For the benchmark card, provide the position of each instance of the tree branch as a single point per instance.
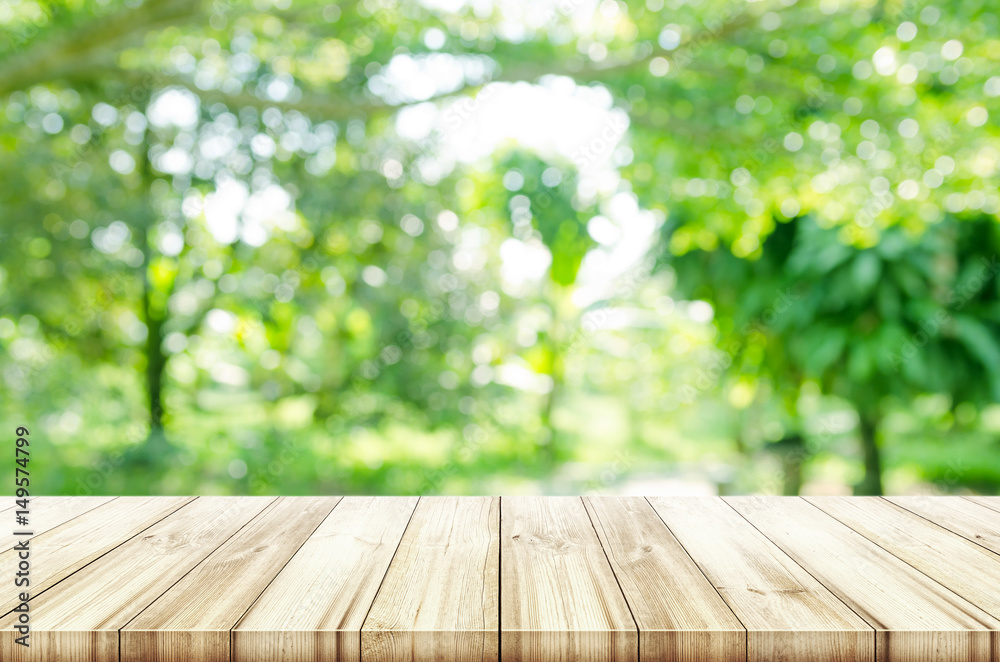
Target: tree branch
(86, 48)
(599, 70)
(320, 107)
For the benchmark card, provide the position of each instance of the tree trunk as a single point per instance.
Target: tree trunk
(156, 361)
(871, 484)
(791, 464)
(156, 449)
(791, 450)
(551, 448)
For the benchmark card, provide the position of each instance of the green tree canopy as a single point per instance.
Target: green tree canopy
(272, 213)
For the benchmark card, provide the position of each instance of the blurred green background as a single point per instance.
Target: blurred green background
(487, 246)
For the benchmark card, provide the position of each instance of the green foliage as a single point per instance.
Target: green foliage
(916, 314)
(237, 257)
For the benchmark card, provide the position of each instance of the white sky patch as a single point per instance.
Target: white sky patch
(266, 210)
(418, 121)
(222, 210)
(175, 161)
(408, 78)
(607, 270)
(216, 147)
(556, 119)
(603, 230)
(174, 107)
(522, 378)
(232, 213)
(562, 122)
(700, 311)
(229, 374)
(221, 321)
(570, 125)
(523, 263)
(170, 241)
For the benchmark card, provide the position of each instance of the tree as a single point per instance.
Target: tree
(136, 125)
(913, 315)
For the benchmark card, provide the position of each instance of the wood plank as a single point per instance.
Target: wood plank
(915, 617)
(993, 503)
(679, 613)
(439, 599)
(46, 514)
(788, 615)
(315, 607)
(969, 570)
(192, 620)
(378, 579)
(560, 601)
(59, 553)
(78, 619)
(966, 518)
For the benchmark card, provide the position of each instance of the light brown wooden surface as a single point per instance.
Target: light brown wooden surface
(915, 617)
(993, 503)
(478, 579)
(439, 599)
(78, 619)
(964, 567)
(192, 620)
(315, 607)
(58, 553)
(680, 615)
(967, 518)
(787, 613)
(559, 597)
(46, 513)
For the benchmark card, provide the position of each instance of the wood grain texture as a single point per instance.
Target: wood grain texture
(439, 599)
(46, 514)
(58, 553)
(314, 609)
(680, 615)
(192, 620)
(993, 503)
(539, 579)
(915, 617)
(962, 516)
(560, 601)
(788, 615)
(964, 567)
(78, 619)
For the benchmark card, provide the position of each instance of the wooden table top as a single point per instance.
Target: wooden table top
(541, 579)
